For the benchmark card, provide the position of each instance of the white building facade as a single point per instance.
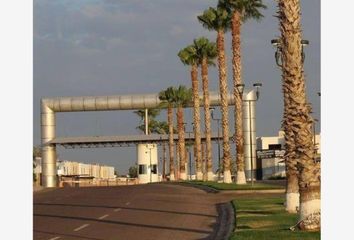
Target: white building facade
(274, 166)
(71, 168)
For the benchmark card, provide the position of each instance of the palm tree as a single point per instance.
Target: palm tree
(188, 56)
(298, 111)
(206, 52)
(167, 97)
(183, 97)
(240, 10)
(219, 20)
(152, 113)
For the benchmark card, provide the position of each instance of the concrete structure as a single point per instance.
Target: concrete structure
(84, 169)
(275, 166)
(147, 163)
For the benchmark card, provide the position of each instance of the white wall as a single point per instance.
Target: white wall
(144, 158)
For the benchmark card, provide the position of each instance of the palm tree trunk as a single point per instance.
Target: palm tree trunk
(299, 112)
(181, 144)
(164, 161)
(236, 68)
(224, 105)
(205, 80)
(205, 178)
(171, 143)
(178, 160)
(292, 186)
(196, 120)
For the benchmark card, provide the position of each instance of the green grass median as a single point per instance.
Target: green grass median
(260, 218)
(233, 186)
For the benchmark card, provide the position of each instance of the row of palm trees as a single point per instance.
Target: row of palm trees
(229, 14)
(303, 173)
(176, 98)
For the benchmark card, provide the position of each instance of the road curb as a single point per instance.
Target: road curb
(225, 222)
(213, 190)
(253, 191)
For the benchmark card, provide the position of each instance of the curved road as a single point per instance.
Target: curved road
(141, 212)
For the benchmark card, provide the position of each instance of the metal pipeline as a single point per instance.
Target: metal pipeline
(110, 103)
(49, 106)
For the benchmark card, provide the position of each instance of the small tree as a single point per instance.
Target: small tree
(133, 172)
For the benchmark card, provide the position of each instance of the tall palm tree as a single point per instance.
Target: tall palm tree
(299, 114)
(188, 56)
(219, 20)
(206, 52)
(167, 98)
(240, 10)
(183, 97)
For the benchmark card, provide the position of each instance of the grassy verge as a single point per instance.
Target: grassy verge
(233, 186)
(265, 218)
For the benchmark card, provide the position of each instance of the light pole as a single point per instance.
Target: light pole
(240, 89)
(218, 123)
(189, 149)
(150, 147)
(278, 44)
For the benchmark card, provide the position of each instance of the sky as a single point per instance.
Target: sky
(112, 47)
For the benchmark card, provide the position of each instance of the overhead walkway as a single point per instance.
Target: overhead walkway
(120, 141)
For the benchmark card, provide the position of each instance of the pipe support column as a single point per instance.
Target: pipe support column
(49, 169)
(249, 132)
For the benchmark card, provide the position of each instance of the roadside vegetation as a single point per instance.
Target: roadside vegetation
(265, 218)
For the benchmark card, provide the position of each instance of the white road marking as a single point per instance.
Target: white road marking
(127, 203)
(81, 227)
(117, 209)
(54, 238)
(104, 216)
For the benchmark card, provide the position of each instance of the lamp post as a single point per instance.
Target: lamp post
(278, 44)
(150, 147)
(240, 89)
(189, 149)
(218, 124)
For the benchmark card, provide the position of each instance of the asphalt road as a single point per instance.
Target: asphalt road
(153, 211)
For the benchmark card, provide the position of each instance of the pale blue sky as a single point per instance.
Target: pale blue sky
(109, 47)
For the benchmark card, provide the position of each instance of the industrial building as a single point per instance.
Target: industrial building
(71, 168)
(270, 155)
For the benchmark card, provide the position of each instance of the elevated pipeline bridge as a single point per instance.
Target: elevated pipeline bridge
(51, 106)
(122, 141)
